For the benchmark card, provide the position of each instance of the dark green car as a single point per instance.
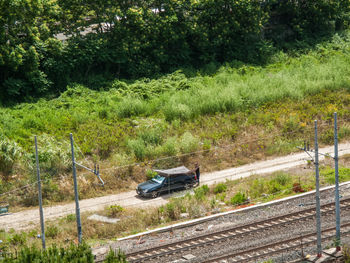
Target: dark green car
(167, 181)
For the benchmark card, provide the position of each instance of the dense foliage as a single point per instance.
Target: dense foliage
(171, 116)
(72, 254)
(130, 39)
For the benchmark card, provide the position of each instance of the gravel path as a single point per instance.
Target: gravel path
(236, 219)
(26, 219)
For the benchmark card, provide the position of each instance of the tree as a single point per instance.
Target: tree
(25, 36)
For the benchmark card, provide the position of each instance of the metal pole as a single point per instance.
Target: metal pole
(337, 205)
(40, 195)
(318, 210)
(77, 209)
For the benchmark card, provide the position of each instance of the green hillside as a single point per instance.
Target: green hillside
(233, 116)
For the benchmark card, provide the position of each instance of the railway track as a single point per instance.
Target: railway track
(274, 249)
(222, 235)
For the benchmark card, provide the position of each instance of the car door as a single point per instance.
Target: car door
(178, 182)
(166, 187)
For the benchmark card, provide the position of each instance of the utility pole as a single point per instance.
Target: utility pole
(40, 195)
(337, 205)
(318, 209)
(77, 209)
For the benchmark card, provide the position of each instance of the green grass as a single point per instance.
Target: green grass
(329, 175)
(177, 97)
(205, 200)
(176, 114)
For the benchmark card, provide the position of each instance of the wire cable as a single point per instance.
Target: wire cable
(322, 124)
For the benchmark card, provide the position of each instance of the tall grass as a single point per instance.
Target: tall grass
(178, 97)
(148, 119)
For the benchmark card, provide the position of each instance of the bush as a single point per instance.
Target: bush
(9, 154)
(221, 197)
(114, 210)
(112, 257)
(18, 239)
(297, 188)
(278, 183)
(70, 218)
(329, 175)
(138, 147)
(169, 147)
(219, 188)
(238, 198)
(153, 136)
(51, 231)
(131, 107)
(346, 253)
(72, 254)
(177, 111)
(150, 174)
(188, 143)
(257, 187)
(201, 192)
(274, 187)
(283, 178)
(54, 155)
(171, 211)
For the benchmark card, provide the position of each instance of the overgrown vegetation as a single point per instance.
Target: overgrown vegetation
(253, 111)
(71, 254)
(346, 253)
(249, 133)
(146, 38)
(204, 201)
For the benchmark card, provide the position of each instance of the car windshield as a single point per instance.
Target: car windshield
(158, 179)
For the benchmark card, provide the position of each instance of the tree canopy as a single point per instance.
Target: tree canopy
(108, 39)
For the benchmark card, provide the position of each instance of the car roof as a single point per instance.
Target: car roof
(173, 171)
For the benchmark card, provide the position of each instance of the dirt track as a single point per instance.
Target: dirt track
(26, 219)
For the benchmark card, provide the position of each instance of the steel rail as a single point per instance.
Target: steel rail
(222, 235)
(278, 247)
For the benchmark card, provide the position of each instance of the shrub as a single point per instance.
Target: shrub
(238, 198)
(346, 253)
(257, 187)
(54, 155)
(114, 210)
(74, 254)
(171, 211)
(213, 203)
(188, 143)
(219, 188)
(344, 132)
(201, 192)
(70, 218)
(283, 178)
(169, 147)
(329, 175)
(51, 231)
(177, 110)
(9, 154)
(112, 257)
(18, 239)
(274, 187)
(150, 174)
(297, 188)
(221, 197)
(153, 136)
(138, 147)
(130, 107)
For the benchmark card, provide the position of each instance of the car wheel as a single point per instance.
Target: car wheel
(154, 194)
